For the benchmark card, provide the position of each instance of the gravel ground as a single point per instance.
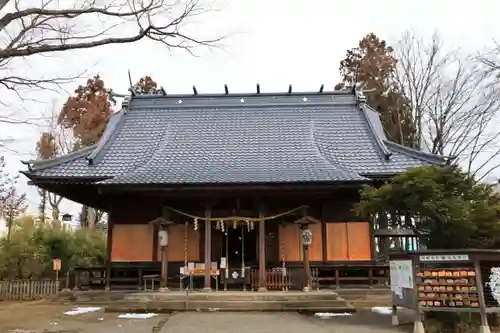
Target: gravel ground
(47, 318)
(40, 317)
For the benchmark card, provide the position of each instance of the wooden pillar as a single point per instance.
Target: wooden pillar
(262, 252)
(164, 264)
(109, 245)
(208, 251)
(324, 242)
(305, 256)
(373, 241)
(484, 326)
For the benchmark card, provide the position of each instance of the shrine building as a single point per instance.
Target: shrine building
(232, 179)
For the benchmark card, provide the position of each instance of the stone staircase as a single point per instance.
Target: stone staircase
(342, 300)
(231, 301)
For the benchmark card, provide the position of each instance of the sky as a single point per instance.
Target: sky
(271, 42)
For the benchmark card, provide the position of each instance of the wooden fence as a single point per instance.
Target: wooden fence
(27, 289)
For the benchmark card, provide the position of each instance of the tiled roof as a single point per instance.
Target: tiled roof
(223, 139)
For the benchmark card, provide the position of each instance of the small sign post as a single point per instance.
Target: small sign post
(56, 267)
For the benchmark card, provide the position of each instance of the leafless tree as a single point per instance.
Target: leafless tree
(490, 58)
(30, 28)
(454, 106)
(14, 205)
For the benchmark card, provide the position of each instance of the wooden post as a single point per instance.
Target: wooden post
(109, 245)
(307, 267)
(418, 325)
(208, 251)
(164, 264)
(262, 253)
(484, 326)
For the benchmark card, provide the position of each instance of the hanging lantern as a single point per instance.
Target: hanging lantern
(235, 224)
(248, 225)
(195, 224)
(251, 225)
(217, 225)
(222, 226)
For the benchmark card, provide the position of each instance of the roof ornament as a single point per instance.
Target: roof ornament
(130, 85)
(290, 89)
(321, 88)
(125, 102)
(360, 96)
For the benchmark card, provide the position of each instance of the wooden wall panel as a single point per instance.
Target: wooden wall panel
(336, 240)
(132, 242)
(289, 237)
(316, 248)
(193, 244)
(176, 243)
(358, 238)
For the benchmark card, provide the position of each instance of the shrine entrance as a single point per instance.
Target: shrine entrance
(239, 246)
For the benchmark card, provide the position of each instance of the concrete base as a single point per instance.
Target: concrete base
(232, 301)
(262, 289)
(395, 320)
(306, 289)
(207, 289)
(484, 329)
(164, 290)
(418, 327)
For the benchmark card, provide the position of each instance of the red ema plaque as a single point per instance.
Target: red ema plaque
(56, 264)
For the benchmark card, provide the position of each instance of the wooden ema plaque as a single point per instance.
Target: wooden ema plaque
(447, 287)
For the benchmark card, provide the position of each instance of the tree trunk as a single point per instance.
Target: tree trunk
(43, 205)
(91, 216)
(84, 217)
(56, 224)
(10, 222)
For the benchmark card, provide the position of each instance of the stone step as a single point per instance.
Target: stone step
(225, 297)
(169, 306)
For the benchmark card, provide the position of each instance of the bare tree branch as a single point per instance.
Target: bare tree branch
(30, 28)
(51, 29)
(454, 105)
(3, 3)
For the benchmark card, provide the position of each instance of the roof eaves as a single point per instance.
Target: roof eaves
(38, 179)
(378, 140)
(114, 124)
(117, 182)
(38, 165)
(420, 155)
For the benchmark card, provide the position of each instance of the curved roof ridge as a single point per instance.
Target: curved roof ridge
(44, 164)
(418, 154)
(379, 140)
(159, 149)
(114, 124)
(317, 147)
